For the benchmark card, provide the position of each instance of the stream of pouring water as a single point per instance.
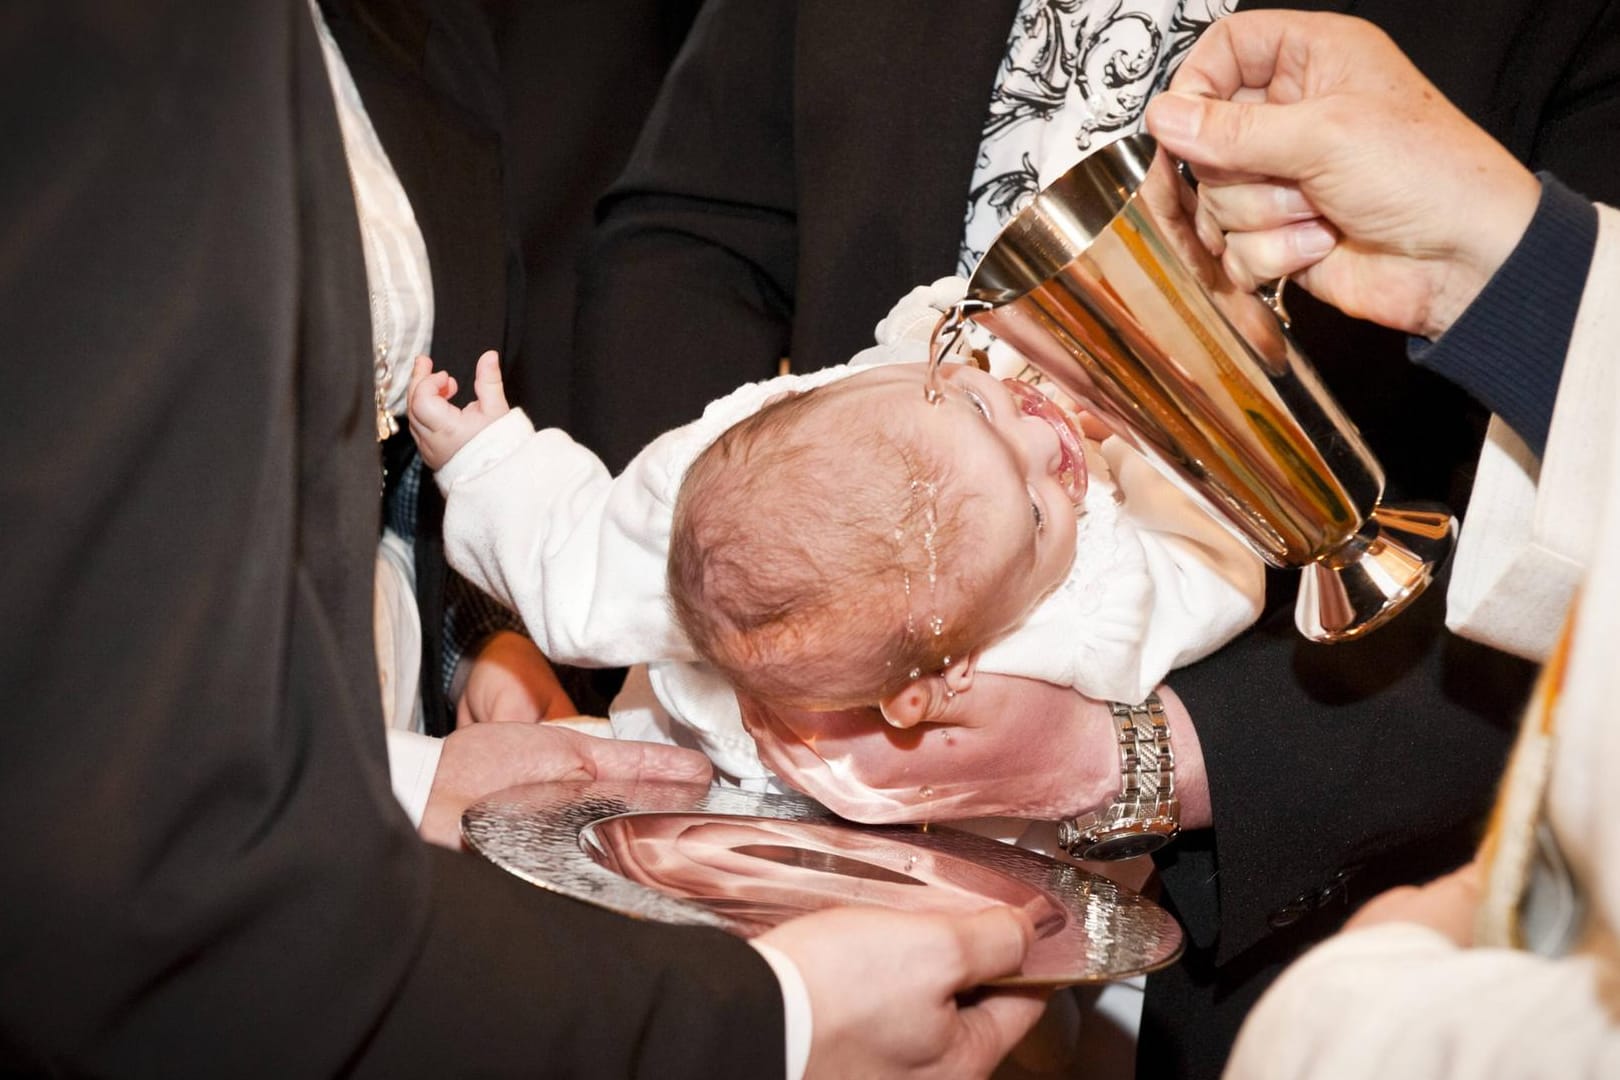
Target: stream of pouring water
(947, 336)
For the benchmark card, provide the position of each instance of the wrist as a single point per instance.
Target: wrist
(1144, 810)
(1192, 782)
(1145, 813)
(1095, 780)
(1510, 205)
(1090, 779)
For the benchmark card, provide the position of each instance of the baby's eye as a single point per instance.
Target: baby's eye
(1040, 514)
(977, 402)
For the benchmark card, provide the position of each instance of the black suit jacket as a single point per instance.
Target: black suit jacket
(206, 872)
(577, 78)
(809, 163)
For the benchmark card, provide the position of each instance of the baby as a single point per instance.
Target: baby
(835, 539)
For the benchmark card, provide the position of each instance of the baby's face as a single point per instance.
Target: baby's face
(1023, 473)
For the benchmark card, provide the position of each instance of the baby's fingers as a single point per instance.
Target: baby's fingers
(421, 368)
(430, 394)
(439, 383)
(488, 387)
(1092, 426)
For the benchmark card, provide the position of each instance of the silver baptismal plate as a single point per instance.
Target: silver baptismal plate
(744, 862)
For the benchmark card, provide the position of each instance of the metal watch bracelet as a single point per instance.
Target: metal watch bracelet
(1146, 814)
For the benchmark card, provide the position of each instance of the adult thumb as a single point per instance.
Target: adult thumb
(993, 944)
(1256, 138)
(627, 759)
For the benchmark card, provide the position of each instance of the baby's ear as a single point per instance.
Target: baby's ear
(912, 703)
(928, 697)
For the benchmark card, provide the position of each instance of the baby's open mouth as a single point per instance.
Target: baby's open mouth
(1071, 472)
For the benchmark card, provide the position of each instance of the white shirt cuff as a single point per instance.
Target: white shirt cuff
(413, 760)
(796, 1016)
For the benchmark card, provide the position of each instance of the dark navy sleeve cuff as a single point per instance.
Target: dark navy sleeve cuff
(1507, 348)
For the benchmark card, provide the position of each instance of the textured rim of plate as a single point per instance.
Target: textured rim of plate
(534, 833)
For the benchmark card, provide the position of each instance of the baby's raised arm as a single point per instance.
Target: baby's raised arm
(441, 428)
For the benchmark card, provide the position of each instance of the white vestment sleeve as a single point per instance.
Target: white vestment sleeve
(1531, 531)
(1401, 1000)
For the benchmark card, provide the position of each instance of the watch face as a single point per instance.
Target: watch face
(1128, 846)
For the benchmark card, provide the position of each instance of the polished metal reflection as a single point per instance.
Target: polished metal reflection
(1103, 286)
(742, 862)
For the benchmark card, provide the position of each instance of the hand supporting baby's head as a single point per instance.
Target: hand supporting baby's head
(823, 556)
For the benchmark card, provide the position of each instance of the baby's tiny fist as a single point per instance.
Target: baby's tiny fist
(433, 420)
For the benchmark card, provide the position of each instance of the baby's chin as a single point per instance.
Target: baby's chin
(1045, 593)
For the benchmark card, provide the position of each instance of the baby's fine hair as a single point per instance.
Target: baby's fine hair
(812, 551)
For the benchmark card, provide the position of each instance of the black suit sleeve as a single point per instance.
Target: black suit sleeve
(206, 873)
(690, 275)
(510, 982)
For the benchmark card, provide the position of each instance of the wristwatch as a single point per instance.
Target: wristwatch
(1146, 815)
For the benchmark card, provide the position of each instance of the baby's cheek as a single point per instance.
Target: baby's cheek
(1070, 546)
(1065, 548)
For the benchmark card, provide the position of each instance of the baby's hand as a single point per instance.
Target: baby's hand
(440, 428)
(914, 316)
(1091, 425)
